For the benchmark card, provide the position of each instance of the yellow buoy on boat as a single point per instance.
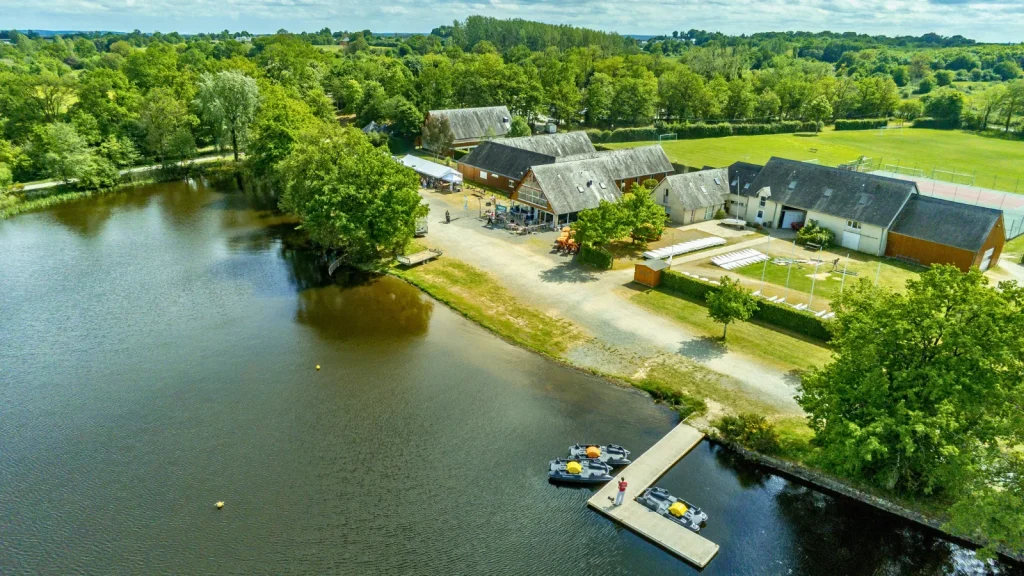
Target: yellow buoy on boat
(220, 505)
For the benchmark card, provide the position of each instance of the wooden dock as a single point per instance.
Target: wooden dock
(641, 474)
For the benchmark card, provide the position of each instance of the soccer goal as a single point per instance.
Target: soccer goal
(897, 169)
(953, 177)
(663, 137)
(898, 130)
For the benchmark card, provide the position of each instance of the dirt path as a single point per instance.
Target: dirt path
(596, 301)
(136, 169)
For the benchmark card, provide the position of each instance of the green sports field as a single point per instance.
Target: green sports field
(996, 163)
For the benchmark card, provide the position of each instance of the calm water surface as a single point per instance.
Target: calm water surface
(157, 354)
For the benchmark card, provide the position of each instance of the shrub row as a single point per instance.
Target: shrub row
(936, 123)
(861, 124)
(596, 256)
(688, 131)
(772, 313)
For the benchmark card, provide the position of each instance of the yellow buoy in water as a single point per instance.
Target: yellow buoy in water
(317, 366)
(220, 505)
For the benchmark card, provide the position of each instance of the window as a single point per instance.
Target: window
(665, 200)
(511, 183)
(853, 224)
(709, 212)
(764, 201)
(483, 175)
(760, 214)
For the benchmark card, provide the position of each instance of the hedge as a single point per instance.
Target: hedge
(596, 256)
(688, 131)
(861, 124)
(780, 315)
(936, 123)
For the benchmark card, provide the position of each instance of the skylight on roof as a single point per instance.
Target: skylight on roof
(718, 182)
(792, 185)
(747, 185)
(828, 192)
(603, 186)
(580, 188)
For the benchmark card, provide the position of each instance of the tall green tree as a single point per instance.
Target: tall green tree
(924, 385)
(227, 101)
(644, 218)
(729, 303)
(599, 226)
(63, 153)
(349, 194)
(164, 118)
(437, 135)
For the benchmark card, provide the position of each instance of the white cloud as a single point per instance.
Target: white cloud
(987, 20)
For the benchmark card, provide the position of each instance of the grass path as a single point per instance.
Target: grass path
(774, 347)
(993, 159)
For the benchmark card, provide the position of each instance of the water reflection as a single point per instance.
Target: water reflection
(854, 539)
(383, 307)
(89, 218)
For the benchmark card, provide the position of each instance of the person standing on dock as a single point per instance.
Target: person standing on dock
(622, 492)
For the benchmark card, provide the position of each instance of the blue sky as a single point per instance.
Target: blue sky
(985, 20)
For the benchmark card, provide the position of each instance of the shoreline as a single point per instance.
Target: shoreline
(790, 470)
(42, 198)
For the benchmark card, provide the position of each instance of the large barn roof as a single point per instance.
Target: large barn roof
(866, 198)
(476, 123)
(581, 182)
(513, 157)
(696, 190)
(946, 222)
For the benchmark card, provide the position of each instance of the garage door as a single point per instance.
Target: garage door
(851, 240)
(986, 259)
(790, 217)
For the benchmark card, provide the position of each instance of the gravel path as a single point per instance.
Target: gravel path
(596, 301)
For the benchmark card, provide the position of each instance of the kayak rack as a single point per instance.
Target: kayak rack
(641, 474)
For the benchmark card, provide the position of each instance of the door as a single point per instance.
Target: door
(851, 240)
(789, 217)
(986, 259)
(760, 217)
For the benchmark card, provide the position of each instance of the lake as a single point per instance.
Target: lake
(158, 353)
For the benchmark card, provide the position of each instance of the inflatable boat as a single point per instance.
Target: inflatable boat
(611, 454)
(579, 471)
(675, 509)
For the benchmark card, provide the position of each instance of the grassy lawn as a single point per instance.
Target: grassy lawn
(479, 297)
(780, 349)
(893, 274)
(1014, 249)
(912, 147)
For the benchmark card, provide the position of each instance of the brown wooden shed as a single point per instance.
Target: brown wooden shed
(648, 272)
(935, 231)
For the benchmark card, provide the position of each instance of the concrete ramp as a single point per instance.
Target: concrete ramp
(641, 474)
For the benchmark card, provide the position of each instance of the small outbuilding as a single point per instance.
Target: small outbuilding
(693, 196)
(935, 231)
(648, 272)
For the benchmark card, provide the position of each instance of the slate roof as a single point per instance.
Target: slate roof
(866, 198)
(741, 175)
(472, 123)
(581, 182)
(696, 190)
(513, 157)
(946, 222)
(560, 144)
